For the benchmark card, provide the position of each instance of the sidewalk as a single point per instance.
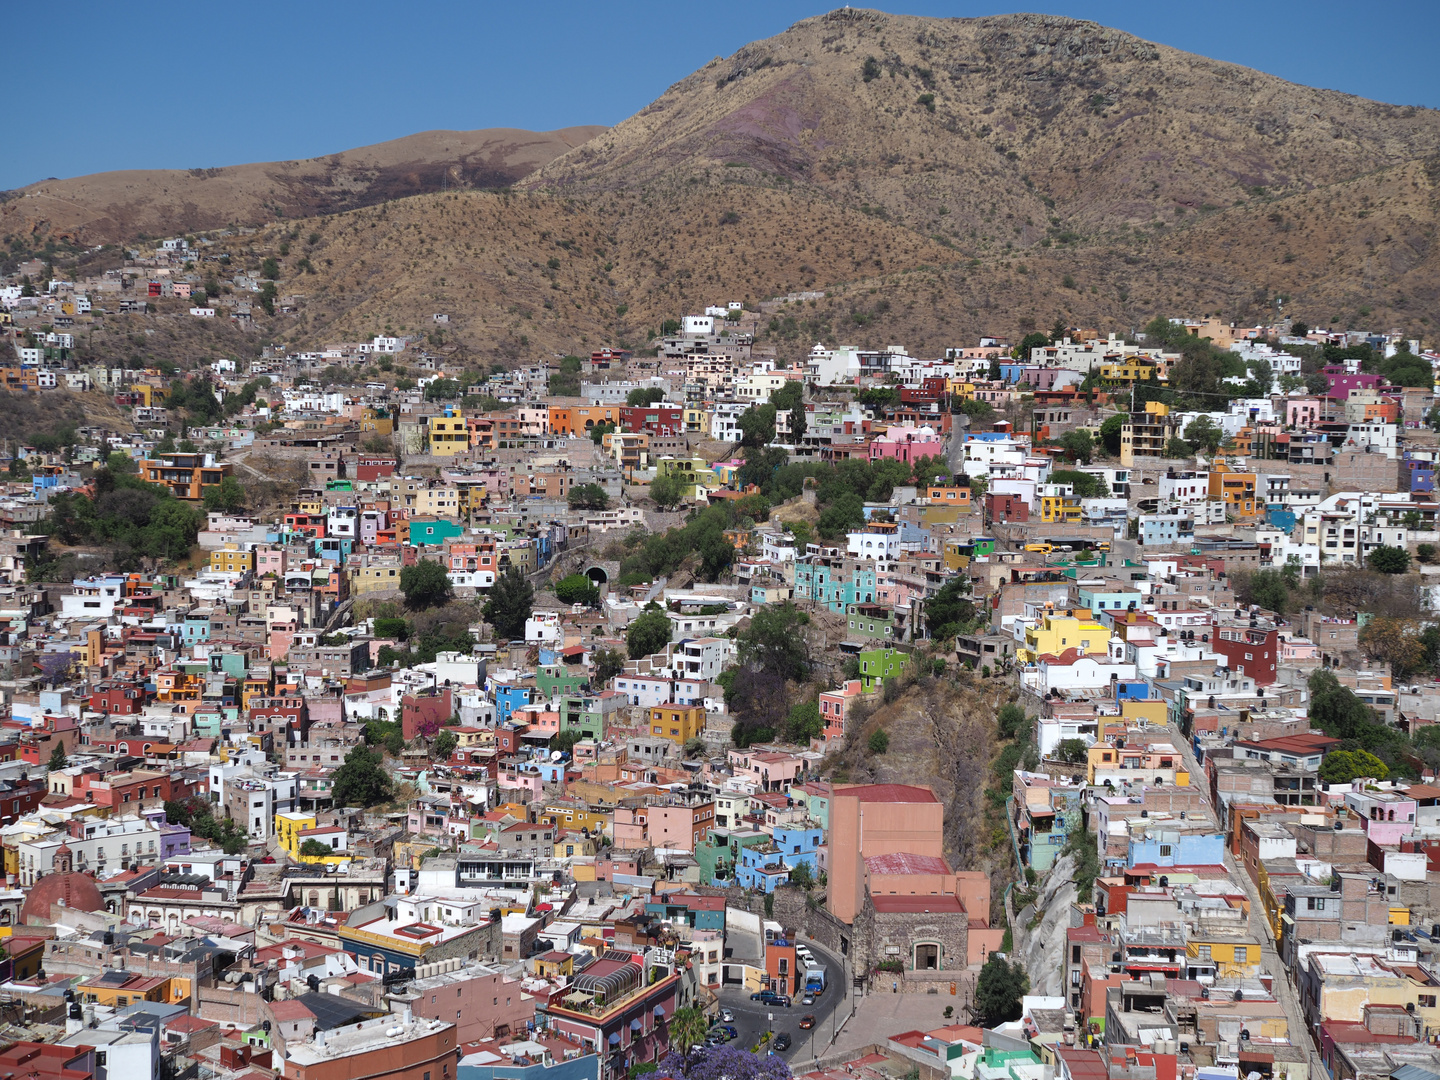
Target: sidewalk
(883, 1014)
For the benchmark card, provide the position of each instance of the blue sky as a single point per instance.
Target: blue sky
(124, 86)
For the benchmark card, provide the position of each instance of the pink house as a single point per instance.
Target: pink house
(906, 443)
(770, 770)
(1342, 382)
(835, 709)
(282, 636)
(269, 560)
(1302, 412)
(1386, 816)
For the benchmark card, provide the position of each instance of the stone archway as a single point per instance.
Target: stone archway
(929, 956)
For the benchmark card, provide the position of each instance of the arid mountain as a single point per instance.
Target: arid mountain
(108, 207)
(937, 179)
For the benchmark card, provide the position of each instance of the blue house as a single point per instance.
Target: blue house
(334, 548)
(508, 698)
(1132, 690)
(800, 843)
(195, 628)
(1164, 847)
(761, 868)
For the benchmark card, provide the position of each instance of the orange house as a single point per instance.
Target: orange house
(948, 495)
(577, 419)
(780, 966)
(186, 475)
(1237, 490)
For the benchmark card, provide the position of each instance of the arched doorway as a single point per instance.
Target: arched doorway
(927, 956)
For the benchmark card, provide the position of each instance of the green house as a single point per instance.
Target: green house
(434, 531)
(875, 621)
(722, 847)
(554, 680)
(878, 665)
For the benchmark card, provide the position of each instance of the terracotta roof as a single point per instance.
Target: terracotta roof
(286, 1011)
(906, 862)
(888, 793)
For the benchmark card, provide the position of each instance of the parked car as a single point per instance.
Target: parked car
(770, 997)
(782, 1041)
(726, 1016)
(807, 1022)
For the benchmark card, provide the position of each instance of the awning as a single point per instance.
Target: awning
(614, 1038)
(635, 1025)
(659, 1012)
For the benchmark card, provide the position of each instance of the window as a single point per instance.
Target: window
(1164, 850)
(1242, 954)
(1427, 1001)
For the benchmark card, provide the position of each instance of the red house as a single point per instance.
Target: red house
(657, 419)
(1249, 648)
(1006, 508)
(119, 699)
(374, 468)
(425, 713)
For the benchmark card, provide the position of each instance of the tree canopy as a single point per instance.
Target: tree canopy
(648, 634)
(510, 602)
(577, 589)
(999, 989)
(361, 780)
(425, 585)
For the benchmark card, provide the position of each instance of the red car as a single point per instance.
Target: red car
(807, 1022)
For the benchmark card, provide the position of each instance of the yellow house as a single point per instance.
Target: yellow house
(231, 560)
(1151, 712)
(119, 993)
(694, 472)
(1133, 371)
(569, 817)
(150, 396)
(696, 418)
(1057, 507)
(437, 502)
(1233, 957)
(372, 423)
(550, 964)
(448, 436)
(288, 827)
(678, 723)
(1058, 631)
(570, 844)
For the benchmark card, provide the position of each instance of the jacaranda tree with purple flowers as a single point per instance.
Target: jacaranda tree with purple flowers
(723, 1063)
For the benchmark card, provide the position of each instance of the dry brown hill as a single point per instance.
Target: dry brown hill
(1060, 169)
(113, 206)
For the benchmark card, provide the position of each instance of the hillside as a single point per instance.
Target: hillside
(937, 179)
(115, 206)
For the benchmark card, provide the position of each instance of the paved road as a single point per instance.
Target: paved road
(754, 1019)
(1260, 929)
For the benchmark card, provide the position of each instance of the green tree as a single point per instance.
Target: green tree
(791, 397)
(1268, 588)
(775, 641)
(316, 849)
(1072, 751)
(605, 664)
(391, 627)
(646, 396)
(444, 745)
(442, 390)
(1010, 721)
(757, 425)
(1086, 485)
(1343, 766)
(425, 585)
(999, 989)
(58, 760)
(577, 589)
(801, 877)
(1177, 448)
(1389, 560)
(1032, 340)
(1204, 434)
(599, 431)
(648, 634)
(667, 490)
(803, 722)
(588, 497)
(1110, 433)
(226, 496)
(948, 611)
(361, 779)
(270, 269)
(1078, 445)
(879, 741)
(510, 603)
(688, 1027)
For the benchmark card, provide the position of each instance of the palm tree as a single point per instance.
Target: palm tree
(687, 1027)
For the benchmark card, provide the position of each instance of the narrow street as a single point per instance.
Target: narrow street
(1270, 959)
